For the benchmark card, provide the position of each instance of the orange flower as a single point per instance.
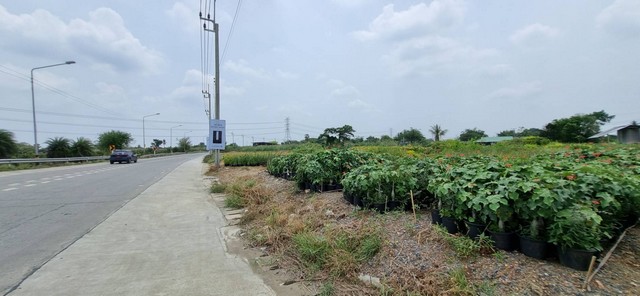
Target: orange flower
(571, 177)
(595, 202)
(508, 165)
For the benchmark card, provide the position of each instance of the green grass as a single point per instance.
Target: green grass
(234, 202)
(218, 188)
(313, 249)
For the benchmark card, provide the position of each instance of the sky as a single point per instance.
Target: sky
(304, 66)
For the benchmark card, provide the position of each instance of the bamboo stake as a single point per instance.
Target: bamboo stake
(413, 207)
(586, 280)
(606, 257)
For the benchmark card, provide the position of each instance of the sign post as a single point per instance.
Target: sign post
(217, 137)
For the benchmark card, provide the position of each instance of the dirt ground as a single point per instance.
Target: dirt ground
(416, 258)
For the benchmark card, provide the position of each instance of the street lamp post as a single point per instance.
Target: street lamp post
(171, 137)
(144, 143)
(33, 102)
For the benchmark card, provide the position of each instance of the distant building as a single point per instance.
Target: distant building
(493, 140)
(627, 134)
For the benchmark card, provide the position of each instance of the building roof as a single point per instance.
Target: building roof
(494, 139)
(613, 130)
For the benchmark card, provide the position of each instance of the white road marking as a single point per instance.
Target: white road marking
(10, 189)
(44, 182)
(30, 185)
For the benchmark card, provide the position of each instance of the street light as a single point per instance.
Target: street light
(144, 143)
(171, 137)
(33, 102)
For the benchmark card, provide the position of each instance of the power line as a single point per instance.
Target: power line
(56, 90)
(233, 25)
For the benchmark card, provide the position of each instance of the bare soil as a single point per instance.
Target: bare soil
(415, 260)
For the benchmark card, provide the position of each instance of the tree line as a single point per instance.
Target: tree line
(575, 129)
(62, 147)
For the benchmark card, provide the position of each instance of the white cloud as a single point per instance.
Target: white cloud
(184, 16)
(621, 18)
(417, 20)
(103, 39)
(518, 91)
(242, 67)
(533, 35)
(430, 53)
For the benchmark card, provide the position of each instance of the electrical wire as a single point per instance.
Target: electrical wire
(56, 90)
(233, 25)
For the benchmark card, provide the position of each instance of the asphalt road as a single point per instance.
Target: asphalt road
(44, 211)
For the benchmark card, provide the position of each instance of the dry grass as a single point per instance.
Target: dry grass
(413, 259)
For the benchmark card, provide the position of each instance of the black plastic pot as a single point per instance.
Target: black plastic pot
(534, 248)
(357, 201)
(507, 241)
(348, 196)
(451, 224)
(435, 217)
(576, 259)
(475, 229)
(391, 205)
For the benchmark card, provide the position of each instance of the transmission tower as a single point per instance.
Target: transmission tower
(287, 134)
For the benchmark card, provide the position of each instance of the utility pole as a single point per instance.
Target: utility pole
(216, 79)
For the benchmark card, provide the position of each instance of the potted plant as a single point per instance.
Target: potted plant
(576, 232)
(501, 204)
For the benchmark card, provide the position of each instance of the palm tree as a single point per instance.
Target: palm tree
(8, 145)
(58, 147)
(437, 132)
(82, 147)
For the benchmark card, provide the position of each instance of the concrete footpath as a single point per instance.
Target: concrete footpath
(166, 241)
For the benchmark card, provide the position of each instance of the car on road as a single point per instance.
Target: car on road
(121, 156)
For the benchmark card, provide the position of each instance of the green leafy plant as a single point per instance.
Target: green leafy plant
(577, 227)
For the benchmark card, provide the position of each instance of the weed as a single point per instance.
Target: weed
(312, 249)
(499, 256)
(463, 246)
(218, 188)
(486, 288)
(369, 247)
(234, 202)
(327, 289)
(460, 283)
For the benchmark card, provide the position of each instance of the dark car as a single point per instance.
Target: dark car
(121, 156)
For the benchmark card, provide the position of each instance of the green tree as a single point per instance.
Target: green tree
(118, 138)
(521, 132)
(507, 133)
(410, 136)
(25, 150)
(336, 135)
(58, 147)
(437, 132)
(472, 134)
(8, 146)
(577, 128)
(184, 144)
(156, 143)
(82, 147)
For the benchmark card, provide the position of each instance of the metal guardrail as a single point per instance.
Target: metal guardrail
(48, 160)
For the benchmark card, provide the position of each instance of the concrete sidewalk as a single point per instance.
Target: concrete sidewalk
(166, 241)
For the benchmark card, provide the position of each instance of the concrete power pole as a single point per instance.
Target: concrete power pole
(216, 79)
